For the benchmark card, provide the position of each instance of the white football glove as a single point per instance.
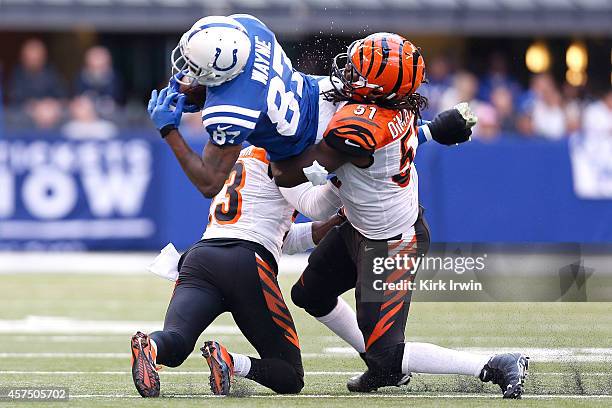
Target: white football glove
(316, 174)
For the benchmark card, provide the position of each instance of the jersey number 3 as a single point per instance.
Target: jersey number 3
(229, 207)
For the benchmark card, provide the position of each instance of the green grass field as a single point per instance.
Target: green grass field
(87, 349)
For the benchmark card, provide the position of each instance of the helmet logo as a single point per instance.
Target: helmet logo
(232, 65)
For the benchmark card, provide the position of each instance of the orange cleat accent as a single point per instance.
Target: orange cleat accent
(144, 371)
(221, 367)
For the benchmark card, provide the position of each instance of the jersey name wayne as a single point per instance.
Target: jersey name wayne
(261, 66)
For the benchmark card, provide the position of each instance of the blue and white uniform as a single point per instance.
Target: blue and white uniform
(269, 104)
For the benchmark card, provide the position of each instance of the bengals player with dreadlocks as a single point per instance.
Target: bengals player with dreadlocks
(371, 143)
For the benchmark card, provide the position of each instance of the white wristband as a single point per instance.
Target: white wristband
(299, 238)
(427, 132)
(316, 174)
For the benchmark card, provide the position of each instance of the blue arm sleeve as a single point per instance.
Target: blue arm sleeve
(421, 134)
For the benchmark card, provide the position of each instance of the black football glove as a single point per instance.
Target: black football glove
(453, 125)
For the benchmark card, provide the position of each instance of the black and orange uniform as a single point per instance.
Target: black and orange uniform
(234, 269)
(239, 277)
(380, 199)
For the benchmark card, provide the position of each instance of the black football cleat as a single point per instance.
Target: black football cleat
(508, 371)
(221, 367)
(144, 370)
(370, 381)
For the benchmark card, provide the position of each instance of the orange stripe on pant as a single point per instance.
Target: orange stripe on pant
(276, 304)
(398, 295)
(290, 333)
(382, 326)
(269, 282)
(264, 265)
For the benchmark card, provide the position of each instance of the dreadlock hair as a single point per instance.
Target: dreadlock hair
(414, 103)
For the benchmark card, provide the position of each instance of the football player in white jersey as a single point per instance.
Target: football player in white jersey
(233, 268)
(371, 144)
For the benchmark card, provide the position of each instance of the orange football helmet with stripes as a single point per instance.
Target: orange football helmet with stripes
(383, 68)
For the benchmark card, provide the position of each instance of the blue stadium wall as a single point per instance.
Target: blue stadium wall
(54, 194)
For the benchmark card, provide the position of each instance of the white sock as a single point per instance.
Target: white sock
(342, 320)
(154, 347)
(432, 359)
(242, 364)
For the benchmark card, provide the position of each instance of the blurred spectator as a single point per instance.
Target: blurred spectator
(438, 81)
(547, 111)
(463, 89)
(524, 124)
(488, 123)
(99, 81)
(543, 111)
(538, 85)
(46, 114)
(84, 121)
(501, 100)
(548, 116)
(497, 76)
(598, 117)
(572, 107)
(33, 78)
(526, 102)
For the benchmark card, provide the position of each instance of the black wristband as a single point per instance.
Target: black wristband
(166, 130)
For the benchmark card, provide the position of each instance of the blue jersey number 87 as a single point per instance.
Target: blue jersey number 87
(284, 94)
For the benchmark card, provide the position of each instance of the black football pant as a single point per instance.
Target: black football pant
(343, 260)
(239, 277)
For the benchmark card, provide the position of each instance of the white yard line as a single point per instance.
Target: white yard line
(558, 355)
(311, 373)
(360, 396)
(104, 263)
(65, 325)
(540, 354)
(162, 372)
(64, 355)
(101, 338)
(535, 351)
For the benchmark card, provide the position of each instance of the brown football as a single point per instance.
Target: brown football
(195, 94)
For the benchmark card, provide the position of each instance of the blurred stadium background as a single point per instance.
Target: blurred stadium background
(86, 184)
(82, 168)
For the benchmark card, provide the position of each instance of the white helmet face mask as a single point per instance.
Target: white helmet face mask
(215, 50)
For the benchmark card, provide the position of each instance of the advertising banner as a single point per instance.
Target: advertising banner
(77, 194)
